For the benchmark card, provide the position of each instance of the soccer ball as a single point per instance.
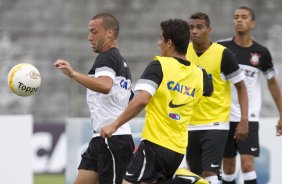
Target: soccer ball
(24, 79)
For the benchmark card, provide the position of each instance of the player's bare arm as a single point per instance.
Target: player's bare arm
(136, 105)
(102, 84)
(242, 129)
(275, 91)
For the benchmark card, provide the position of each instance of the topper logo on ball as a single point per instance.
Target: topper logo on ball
(24, 79)
(27, 89)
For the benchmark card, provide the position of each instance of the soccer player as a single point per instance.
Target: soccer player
(108, 86)
(253, 59)
(209, 124)
(169, 88)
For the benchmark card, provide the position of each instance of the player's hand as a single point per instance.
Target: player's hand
(65, 67)
(108, 130)
(242, 131)
(279, 128)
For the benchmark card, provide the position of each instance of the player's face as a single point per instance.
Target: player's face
(97, 35)
(242, 21)
(163, 46)
(199, 31)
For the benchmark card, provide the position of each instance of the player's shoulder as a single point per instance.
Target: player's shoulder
(112, 52)
(225, 42)
(112, 56)
(259, 46)
(230, 39)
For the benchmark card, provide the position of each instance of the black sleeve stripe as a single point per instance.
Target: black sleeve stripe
(229, 63)
(207, 82)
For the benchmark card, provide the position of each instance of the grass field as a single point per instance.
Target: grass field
(49, 179)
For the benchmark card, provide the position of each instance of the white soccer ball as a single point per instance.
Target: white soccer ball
(24, 79)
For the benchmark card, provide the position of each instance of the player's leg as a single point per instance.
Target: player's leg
(248, 150)
(229, 157)
(183, 175)
(86, 177)
(152, 163)
(212, 142)
(193, 153)
(120, 150)
(229, 166)
(87, 170)
(249, 173)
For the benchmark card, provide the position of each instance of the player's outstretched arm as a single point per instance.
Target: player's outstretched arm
(102, 84)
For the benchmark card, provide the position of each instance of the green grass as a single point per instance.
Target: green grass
(49, 179)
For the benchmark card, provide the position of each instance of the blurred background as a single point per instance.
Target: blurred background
(42, 31)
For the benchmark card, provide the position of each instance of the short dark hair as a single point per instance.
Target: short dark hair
(201, 16)
(109, 22)
(251, 11)
(178, 32)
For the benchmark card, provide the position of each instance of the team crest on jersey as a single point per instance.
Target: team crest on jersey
(254, 58)
(126, 84)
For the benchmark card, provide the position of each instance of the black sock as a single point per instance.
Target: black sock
(177, 181)
(254, 181)
(228, 182)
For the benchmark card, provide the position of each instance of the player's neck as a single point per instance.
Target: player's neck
(109, 45)
(174, 53)
(181, 56)
(201, 48)
(243, 40)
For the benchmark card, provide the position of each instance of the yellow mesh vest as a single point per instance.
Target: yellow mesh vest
(217, 107)
(170, 108)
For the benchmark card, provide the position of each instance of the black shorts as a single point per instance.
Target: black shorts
(152, 163)
(108, 157)
(205, 150)
(248, 147)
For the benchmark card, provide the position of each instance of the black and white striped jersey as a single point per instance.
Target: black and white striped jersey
(105, 108)
(253, 60)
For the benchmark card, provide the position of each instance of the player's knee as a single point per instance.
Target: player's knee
(229, 171)
(229, 165)
(247, 167)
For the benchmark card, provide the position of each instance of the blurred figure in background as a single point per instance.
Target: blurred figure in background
(253, 59)
(108, 86)
(169, 88)
(279, 128)
(209, 125)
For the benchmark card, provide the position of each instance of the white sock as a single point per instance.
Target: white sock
(184, 163)
(213, 179)
(228, 177)
(250, 175)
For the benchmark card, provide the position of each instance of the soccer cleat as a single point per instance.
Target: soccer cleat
(187, 177)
